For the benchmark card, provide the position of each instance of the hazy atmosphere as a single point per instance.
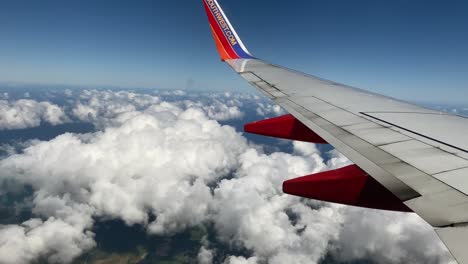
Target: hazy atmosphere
(414, 50)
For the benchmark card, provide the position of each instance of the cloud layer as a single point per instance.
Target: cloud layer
(388, 237)
(169, 158)
(29, 113)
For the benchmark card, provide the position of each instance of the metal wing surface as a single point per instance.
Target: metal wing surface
(418, 154)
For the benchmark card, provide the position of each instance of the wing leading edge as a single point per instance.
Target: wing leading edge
(419, 155)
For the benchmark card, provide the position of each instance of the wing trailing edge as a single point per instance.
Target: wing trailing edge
(455, 238)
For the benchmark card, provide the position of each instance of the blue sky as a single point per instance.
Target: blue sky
(414, 50)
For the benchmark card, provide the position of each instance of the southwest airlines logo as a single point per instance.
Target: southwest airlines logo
(222, 22)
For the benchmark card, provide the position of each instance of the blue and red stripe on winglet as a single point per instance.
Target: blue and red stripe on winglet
(227, 41)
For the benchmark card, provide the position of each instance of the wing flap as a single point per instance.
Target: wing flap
(343, 140)
(455, 238)
(348, 185)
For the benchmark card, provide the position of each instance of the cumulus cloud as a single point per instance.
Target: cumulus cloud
(218, 110)
(6, 150)
(145, 163)
(253, 211)
(54, 239)
(29, 113)
(267, 109)
(151, 163)
(337, 160)
(205, 256)
(217, 106)
(102, 107)
(241, 260)
(171, 160)
(388, 237)
(68, 93)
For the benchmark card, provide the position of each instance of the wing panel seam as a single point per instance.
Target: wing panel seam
(416, 133)
(410, 197)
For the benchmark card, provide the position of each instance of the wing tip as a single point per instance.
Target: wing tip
(228, 43)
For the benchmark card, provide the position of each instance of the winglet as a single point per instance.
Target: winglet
(227, 41)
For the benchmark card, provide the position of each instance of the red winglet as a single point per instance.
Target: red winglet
(349, 185)
(286, 126)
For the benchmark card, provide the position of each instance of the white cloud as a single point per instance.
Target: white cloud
(157, 163)
(29, 113)
(337, 160)
(103, 107)
(267, 109)
(306, 149)
(205, 256)
(252, 211)
(241, 260)
(171, 160)
(218, 110)
(222, 112)
(144, 163)
(68, 93)
(6, 150)
(55, 239)
(388, 237)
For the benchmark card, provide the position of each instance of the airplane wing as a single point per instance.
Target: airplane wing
(407, 158)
